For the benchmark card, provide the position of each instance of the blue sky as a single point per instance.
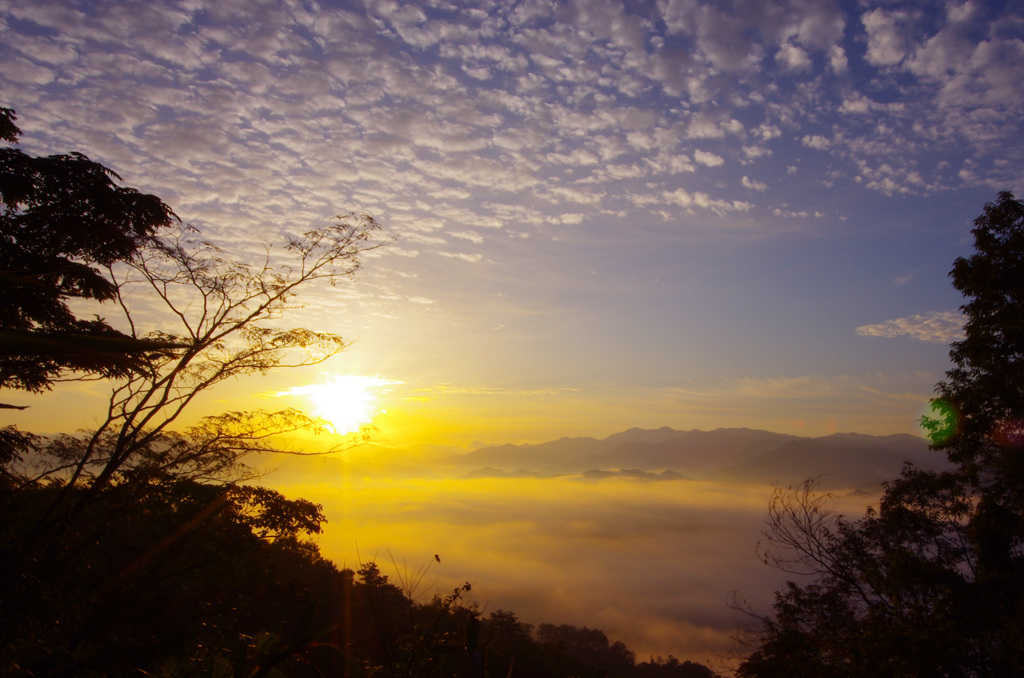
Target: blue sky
(607, 214)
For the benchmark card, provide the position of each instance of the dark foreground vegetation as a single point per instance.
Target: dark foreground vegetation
(135, 549)
(932, 582)
(171, 577)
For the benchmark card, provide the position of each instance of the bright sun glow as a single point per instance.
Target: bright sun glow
(348, 402)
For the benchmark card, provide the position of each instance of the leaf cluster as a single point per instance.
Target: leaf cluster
(63, 221)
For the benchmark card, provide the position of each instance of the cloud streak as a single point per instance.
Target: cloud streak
(940, 327)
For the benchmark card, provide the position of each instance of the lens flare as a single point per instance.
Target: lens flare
(1011, 434)
(941, 423)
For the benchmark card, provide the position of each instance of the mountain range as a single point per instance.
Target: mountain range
(848, 460)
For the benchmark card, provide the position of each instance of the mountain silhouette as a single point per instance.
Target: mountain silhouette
(537, 457)
(843, 465)
(850, 460)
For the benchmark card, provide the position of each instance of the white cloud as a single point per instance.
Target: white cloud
(678, 197)
(901, 280)
(940, 327)
(855, 104)
(708, 159)
(990, 77)
(471, 258)
(575, 195)
(887, 42)
(942, 54)
(720, 207)
(710, 125)
(754, 184)
(753, 152)
(471, 236)
(793, 57)
(478, 72)
(733, 126)
(816, 141)
(587, 113)
(397, 251)
(783, 211)
(893, 179)
(675, 164)
(837, 59)
(422, 239)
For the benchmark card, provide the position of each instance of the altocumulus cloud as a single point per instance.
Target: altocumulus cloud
(573, 106)
(940, 327)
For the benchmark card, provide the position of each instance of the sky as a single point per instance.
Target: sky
(606, 214)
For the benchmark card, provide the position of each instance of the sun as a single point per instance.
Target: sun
(347, 402)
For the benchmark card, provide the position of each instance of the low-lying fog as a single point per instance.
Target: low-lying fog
(646, 534)
(651, 563)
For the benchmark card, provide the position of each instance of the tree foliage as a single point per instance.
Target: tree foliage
(225, 314)
(158, 568)
(95, 523)
(932, 582)
(63, 222)
(986, 384)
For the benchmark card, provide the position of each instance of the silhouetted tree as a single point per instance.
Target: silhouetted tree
(589, 648)
(63, 222)
(94, 524)
(162, 568)
(228, 318)
(984, 395)
(984, 387)
(672, 668)
(932, 583)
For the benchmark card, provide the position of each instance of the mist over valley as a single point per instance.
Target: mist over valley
(646, 534)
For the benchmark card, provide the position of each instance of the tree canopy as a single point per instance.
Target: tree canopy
(63, 222)
(97, 522)
(932, 582)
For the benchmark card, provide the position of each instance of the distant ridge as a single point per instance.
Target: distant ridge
(533, 456)
(846, 465)
(850, 460)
